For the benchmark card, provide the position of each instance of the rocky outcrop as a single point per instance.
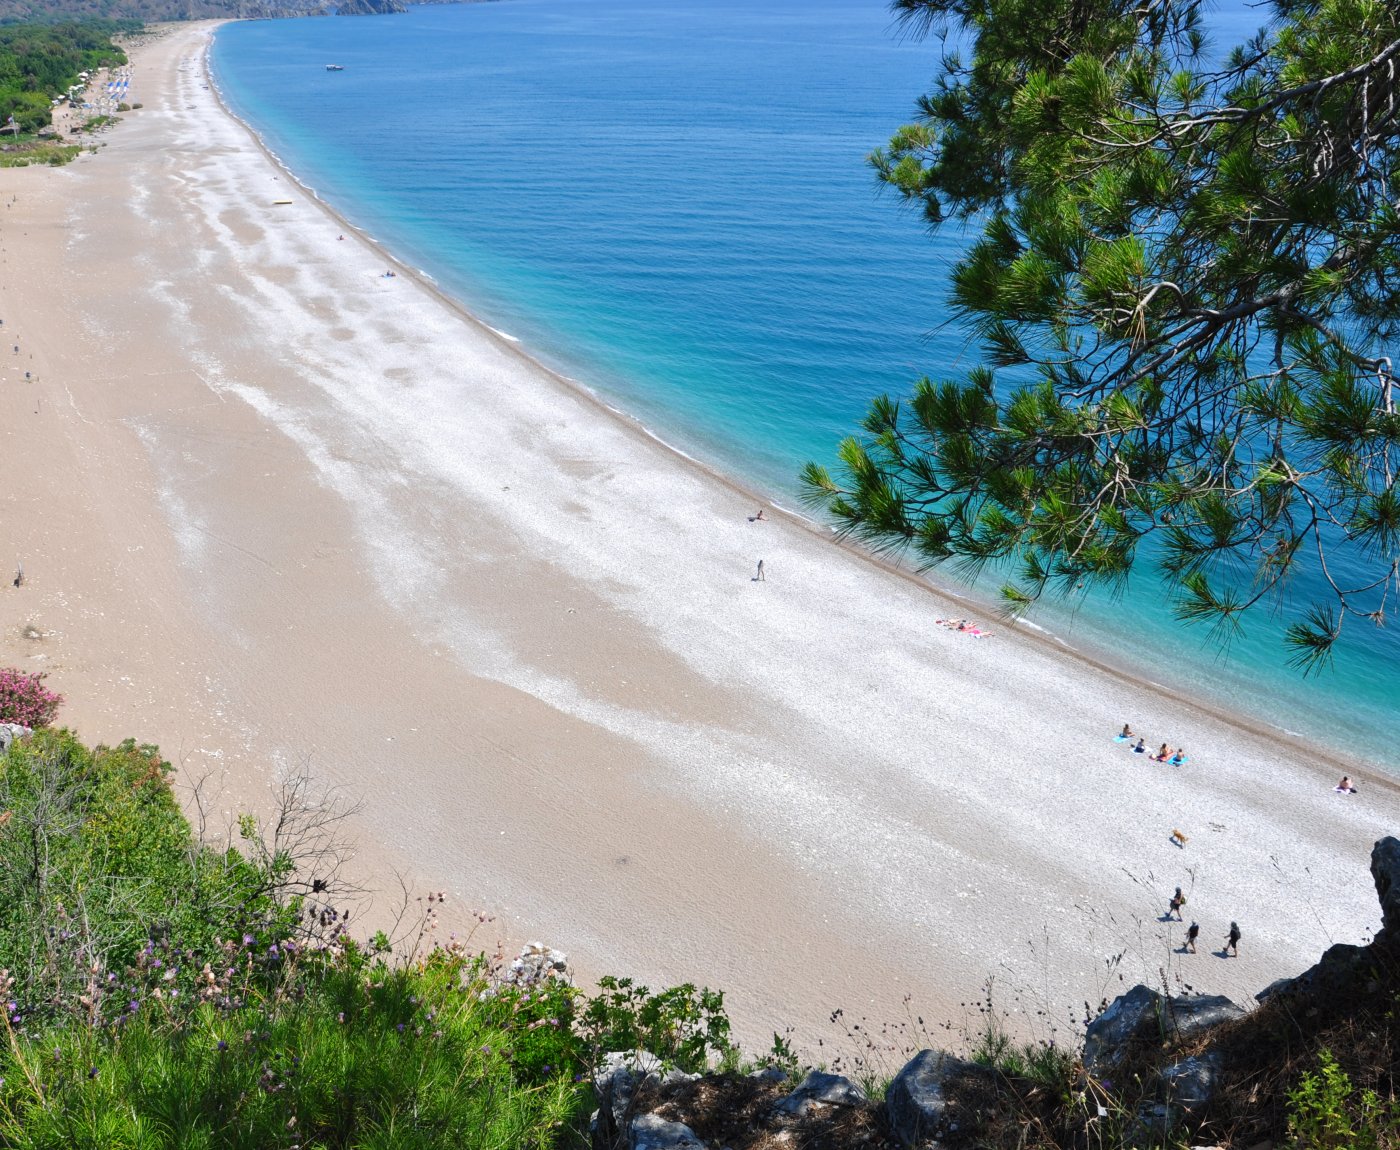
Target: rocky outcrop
(369, 7)
(615, 1082)
(1345, 967)
(1168, 1062)
(1144, 1017)
(917, 1103)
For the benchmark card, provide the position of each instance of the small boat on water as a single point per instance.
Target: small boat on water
(335, 67)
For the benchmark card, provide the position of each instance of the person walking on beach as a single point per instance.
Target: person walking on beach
(1193, 932)
(1177, 902)
(1232, 940)
(759, 577)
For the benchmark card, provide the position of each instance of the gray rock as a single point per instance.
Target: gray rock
(649, 1132)
(9, 732)
(615, 1082)
(1189, 1085)
(1341, 966)
(822, 1088)
(537, 964)
(773, 1074)
(1344, 966)
(1385, 871)
(1141, 1016)
(917, 1100)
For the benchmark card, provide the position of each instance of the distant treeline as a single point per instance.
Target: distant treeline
(40, 61)
(155, 11)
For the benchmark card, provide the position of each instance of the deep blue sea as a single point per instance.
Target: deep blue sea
(670, 203)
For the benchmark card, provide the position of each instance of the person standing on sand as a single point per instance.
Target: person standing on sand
(759, 577)
(1193, 932)
(1177, 902)
(1232, 940)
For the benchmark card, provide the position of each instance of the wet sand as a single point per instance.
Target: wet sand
(278, 511)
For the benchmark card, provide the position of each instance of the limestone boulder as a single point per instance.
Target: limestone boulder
(615, 1082)
(648, 1132)
(821, 1089)
(1145, 1016)
(917, 1101)
(1189, 1086)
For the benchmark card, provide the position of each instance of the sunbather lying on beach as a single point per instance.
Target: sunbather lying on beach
(963, 626)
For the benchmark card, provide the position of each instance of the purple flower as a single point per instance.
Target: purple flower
(222, 1046)
(132, 1006)
(399, 1028)
(248, 940)
(92, 1072)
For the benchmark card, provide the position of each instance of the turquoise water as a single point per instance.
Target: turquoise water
(670, 203)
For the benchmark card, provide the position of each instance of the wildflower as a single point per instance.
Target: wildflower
(340, 1017)
(222, 1046)
(248, 940)
(92, 1072)
(399, 1028)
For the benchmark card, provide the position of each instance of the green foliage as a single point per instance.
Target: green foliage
(1043, 1064)
(96, 859)
(335, 1052)
(39, 61)
(1325, 1112)
(682, 1026)
(1184, 283)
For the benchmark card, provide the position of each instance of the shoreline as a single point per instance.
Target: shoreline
(279, 511)
(1091, 654)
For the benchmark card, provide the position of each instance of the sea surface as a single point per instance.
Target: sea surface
(669, 202)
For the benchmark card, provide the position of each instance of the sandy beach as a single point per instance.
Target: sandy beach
(278, 511)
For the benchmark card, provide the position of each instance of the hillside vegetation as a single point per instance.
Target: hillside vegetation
(39, 61)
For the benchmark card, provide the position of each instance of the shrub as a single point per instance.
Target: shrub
(1325, 1112)
(24, 699)
(337, 1050)
(681, 1026)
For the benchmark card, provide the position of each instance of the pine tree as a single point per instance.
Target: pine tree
(1185, 288)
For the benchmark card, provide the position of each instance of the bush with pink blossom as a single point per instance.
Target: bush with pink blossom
(24, 699)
